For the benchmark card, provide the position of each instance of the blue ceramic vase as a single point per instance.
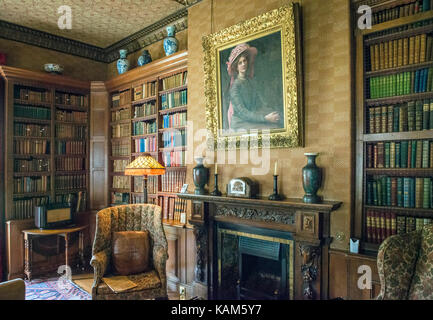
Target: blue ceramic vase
(170, 42)
(311, 179)
(122, 63)
(200, 176)
(145, 58)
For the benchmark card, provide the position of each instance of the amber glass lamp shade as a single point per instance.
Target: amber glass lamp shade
(144, 165)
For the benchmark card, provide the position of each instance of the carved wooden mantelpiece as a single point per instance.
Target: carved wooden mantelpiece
(308, 224)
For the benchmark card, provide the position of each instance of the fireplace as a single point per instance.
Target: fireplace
(254, 263)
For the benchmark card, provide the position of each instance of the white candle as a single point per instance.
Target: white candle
(275, 168)
(216, 168)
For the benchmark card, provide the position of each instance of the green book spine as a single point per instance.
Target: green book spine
(426, 193)
(371, 81)
(387, 154)
(397, 154)
(412, 81)
(425, 153)
(384, 118)
(406, 190)
(379, 192)
(412, 192)
(418, 154)
(388, 191)
(418, 192)
(407, 83)
(411, 107)
(390, 118)
(413, 154)
(384, 191)
(404, 148)
(395, 114)
(418, 115)
(375, 197)
(429, 80)
(392, 155)
(369, 193)
(395, 84)
(400, 192)
(426, 115)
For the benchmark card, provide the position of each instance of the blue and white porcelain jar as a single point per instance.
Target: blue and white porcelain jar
(122, 63)
(170, 42)
(145, 58)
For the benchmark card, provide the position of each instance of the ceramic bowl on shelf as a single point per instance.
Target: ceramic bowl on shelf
(53, 68)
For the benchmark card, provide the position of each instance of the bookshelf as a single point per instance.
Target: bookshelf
(394, 117)
(46, 140)
(148, 107)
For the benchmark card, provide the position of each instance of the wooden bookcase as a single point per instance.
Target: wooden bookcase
(148, 107)
(46, 121)
(389, 89)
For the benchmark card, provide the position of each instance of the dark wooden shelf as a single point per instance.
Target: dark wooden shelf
(71, 107)
(173, 89)
(32, 174)
(71, 139)
(182, 148)
(71, 172)
(174, 168)
(31, 120)
(399, 99)
(33, 103)
(174, 110)
(31, 155)
(145, 135)
(121, 138)
(396, 136)
(70, 155)
(165, 193)
(120, 190)
(401, 172)
(65, 191)
(173, 129)
(120, 122)
(143, 100)
(31, 194)
(37, 138)
(117, 173)
(137, 154)
(125, 106)
(415, 212)
(401, 69)
(145, 118)
(73, 123)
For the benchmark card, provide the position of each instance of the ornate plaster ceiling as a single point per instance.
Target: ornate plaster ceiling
(96, 22)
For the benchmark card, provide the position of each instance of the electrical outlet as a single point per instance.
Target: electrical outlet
(182, 293)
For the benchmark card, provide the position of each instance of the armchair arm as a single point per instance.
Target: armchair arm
(160, 256)
(396, 262)
(13, 290)
(99, 262)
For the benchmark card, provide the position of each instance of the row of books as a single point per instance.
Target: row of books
(32, 95)
(120, 99)
(142, 127)
(179, 214)
(120, 148)
(401, 52)
(120, 165)
(401, 83)
(148, 144)
(152, 184)
(118, 115)
(174, 99)
(382, 224)
(119, 198)
(405, 192)
(175, 138)
(167, 205)
(31, 147)
(70, 131)
(410, 116)
(175, 81)
(70, 147)
(144, 110)
(138, 198)
(24, 208)
(121, 182)
(402, 11)
(72, 99)
(70, 164)
(72, 116)
(70, 182)
(31, 130)
(31, 184)
(145, 91)
(33, 165)
(403, 154)
(172, 181)
(79, 198)
(32, 112)
(174, 158)
(174, 120)
(120, 130)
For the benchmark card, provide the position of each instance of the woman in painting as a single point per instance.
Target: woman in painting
(247, 110)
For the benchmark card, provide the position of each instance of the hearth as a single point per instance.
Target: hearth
(254, 263)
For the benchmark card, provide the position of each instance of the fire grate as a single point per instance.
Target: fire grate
(260, 248)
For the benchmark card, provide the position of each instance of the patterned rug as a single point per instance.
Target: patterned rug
(54, 289)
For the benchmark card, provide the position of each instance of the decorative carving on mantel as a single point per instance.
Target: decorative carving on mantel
(310, 256)
(258, 214)
(201, 239)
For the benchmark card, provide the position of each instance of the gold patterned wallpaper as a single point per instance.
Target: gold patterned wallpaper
(97, 22)
(327, 91)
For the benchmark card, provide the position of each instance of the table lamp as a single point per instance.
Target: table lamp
(145, 165)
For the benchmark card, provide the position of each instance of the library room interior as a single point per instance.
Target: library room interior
(216, 150)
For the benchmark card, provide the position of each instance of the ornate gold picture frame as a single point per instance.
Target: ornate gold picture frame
(253, 82)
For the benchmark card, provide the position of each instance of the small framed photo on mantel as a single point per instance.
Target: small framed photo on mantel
(184, 188)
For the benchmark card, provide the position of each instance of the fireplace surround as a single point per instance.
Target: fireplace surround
(294, 236)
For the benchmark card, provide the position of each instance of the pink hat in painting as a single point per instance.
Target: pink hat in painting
(240, 48)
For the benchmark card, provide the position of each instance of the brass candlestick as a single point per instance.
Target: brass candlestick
(275, 196)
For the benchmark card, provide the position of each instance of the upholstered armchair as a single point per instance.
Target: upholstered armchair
(133, 217)
(13, 290)
(405, 265)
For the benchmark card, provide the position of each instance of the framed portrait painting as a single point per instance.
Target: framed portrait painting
(253, 82)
